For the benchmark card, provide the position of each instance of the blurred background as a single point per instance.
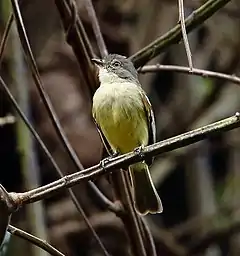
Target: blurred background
(199, 184)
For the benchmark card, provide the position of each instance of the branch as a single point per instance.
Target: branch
(115, 207)
(7, 206)
(151, 248)
(96, 28)
(77, 39)
(75, 32)
(34, 240)
(131, 220)
(5, 37)
(174, 35)
(127, 159)
(187, 70)
(184, 33)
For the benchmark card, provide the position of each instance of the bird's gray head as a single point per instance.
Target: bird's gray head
(116, 68)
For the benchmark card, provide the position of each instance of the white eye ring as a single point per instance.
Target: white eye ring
(116, 63)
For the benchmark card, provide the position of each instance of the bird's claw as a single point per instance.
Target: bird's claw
(104, 161)
(139, 151)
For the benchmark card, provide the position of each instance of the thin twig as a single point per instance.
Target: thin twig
(174, 35)
(76, 27)
(34, 240)
(5, 37)
(6, 208)
(89, 225)
(130, 219)
(187, 70)
(28, 124)
(96, 28)
(30, 169)
(150, 244)
(184, 33)
(127, 159)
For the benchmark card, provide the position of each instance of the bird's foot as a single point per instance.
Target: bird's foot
(104, 161)
(139, 151)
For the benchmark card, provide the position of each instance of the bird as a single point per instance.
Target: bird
(125, 120)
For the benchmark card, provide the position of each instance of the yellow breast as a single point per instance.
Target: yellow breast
(119, 111)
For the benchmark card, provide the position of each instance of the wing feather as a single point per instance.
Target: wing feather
(151, 121)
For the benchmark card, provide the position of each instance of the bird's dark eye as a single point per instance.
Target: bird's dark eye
(116, 63)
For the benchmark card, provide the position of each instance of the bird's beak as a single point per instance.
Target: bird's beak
(98, 62)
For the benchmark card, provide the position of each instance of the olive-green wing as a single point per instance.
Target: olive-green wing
(151, 121)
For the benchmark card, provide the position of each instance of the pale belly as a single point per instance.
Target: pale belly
(121, 116)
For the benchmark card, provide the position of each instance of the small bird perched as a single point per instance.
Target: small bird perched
(125, 119)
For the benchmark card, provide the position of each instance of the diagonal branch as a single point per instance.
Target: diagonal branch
(150, 245)
(96, 28)
(5, 37)
(127, 159)
(34, 240)
(76, 37)
(115, 207)
(174, 35)
(7, 206)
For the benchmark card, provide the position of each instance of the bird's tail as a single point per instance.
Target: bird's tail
(146, 199)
